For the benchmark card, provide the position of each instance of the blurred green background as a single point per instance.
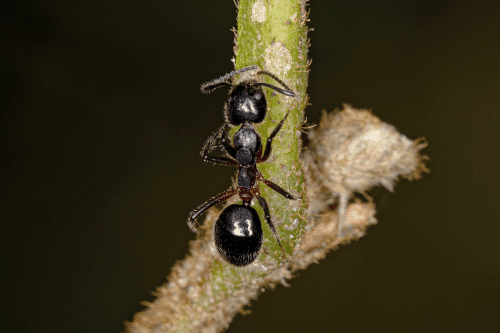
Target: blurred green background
(102, 122)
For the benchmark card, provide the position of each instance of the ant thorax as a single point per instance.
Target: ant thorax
(247, 137)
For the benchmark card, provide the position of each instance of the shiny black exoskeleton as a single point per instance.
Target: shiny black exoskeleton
(246, 101)
(238, 234)
(245, 154)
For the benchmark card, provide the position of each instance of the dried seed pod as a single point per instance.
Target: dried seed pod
(351, 151)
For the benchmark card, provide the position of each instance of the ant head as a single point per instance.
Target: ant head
(246, 103)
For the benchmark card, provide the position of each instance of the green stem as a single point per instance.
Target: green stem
(273, 35)
(204, 292)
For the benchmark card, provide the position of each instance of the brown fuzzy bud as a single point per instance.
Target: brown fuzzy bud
(351, 151)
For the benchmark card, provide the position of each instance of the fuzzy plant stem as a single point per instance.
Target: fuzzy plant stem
(349, 151)
(204, 292)
(273, 35)
(342, 207)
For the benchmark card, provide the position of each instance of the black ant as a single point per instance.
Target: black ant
(238, 231)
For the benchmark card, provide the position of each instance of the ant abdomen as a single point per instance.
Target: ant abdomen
(238, 235)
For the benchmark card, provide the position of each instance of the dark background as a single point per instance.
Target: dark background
(102, 121)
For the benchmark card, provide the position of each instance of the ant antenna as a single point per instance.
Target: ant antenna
(287, 92)
(210, 86)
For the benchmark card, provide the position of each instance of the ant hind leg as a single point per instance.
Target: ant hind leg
(267, 215)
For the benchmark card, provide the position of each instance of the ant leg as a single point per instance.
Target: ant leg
(267, 215)
(230, 150)
(267, 152)
(206, 205)
(210, 86)
(278, 189)
(287, 92)
(210, 144)
(219, 160)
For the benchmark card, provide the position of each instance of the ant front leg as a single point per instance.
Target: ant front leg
(230, 150)
(211, 144)
(206, 205)
(267, 215)
(269, 142)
